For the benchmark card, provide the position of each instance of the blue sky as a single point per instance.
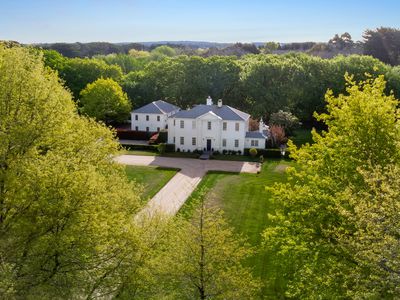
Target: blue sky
(204, 20)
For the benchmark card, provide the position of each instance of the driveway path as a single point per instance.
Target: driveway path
(174, 194)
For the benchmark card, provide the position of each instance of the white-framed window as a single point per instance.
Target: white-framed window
(136, 117)
(236, 143)
(254, 143)
(193, 141)
(174, 122)
(137, 128)
(223, 142)
(224, 125)
(182, 140)
(158, 118)
(174, 140)
(158, 128)
(182, 124)
(237, 125)
(147, 129)
(147, 117)
(194, 124)
(209, 125)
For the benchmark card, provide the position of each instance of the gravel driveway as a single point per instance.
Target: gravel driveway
(174, 194)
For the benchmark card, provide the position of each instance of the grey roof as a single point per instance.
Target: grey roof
(255, 135)
(157, 107)
(225, 112)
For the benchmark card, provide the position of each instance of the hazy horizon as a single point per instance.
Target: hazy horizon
(122, 21)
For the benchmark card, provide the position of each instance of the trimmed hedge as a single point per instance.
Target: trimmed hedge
(124, 134)
(169, 147)
(268, 153)
(151, 148)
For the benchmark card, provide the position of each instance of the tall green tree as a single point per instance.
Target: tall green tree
(65, 206)
(78, 72)
(204, 260)
(104, 100)
(384, 44)
(312, 224)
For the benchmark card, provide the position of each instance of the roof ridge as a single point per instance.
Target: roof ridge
(154, 102)
(235, 110)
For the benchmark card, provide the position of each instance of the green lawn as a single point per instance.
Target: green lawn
(246, 204)
(152, 178)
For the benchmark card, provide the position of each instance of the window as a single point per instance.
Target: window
(158, 118)
(193, 124)
(147, 128)
(174, 140)
(182, 124)
(174, 122)
(236, 143)
(254, 143)
(136, 117)
(147, 117)
(158, 128)
(209, 125)
(237, 126)
(136, 128)
(182, 140)
(193, 141)
(223, 142)
(224, 126)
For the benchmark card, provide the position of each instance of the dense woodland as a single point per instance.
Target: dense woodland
(260, 84)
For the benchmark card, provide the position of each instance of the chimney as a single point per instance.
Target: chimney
(209, 101)
(219, 102)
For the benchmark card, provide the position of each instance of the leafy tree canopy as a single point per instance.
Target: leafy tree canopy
(65, 206)
(323, 229)
(104, 100)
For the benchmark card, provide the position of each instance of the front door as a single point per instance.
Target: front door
(208, 145)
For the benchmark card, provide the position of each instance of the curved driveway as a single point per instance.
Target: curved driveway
(174, 194)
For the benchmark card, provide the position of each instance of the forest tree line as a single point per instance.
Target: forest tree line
(259, 84)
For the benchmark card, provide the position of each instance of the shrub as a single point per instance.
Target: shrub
(253, 152)
(178, 150)
(268, 153)
(161, 148)
(151, 148)
(124, 134)
(169, 147)
(216, 152)
(224, 151)
(239, 152)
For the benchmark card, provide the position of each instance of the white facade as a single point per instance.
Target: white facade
(152, 117)
(148, 122)
(207, 133)
(206, 127)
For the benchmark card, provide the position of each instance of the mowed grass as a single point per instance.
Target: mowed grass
(247, 203)
(152, 178)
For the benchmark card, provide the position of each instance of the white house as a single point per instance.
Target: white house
(153, 116)
(210, 127)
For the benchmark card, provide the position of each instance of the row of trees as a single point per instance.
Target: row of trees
(335, 231)
(259, 84)
(67, 229)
